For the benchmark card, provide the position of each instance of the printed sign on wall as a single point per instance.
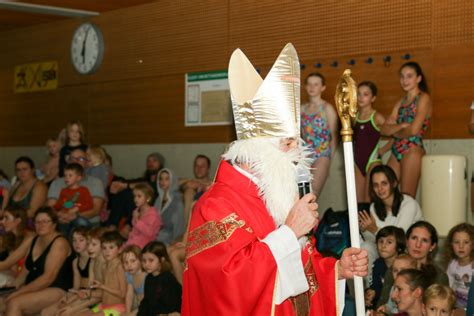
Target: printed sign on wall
(36, 77)
(207, 100)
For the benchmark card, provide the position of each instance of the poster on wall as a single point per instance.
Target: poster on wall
(35, 77)
(207, 99)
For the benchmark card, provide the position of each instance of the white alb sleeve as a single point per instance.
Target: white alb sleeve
(286, 250)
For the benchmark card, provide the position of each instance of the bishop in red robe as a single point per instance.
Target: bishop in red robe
(246, 252)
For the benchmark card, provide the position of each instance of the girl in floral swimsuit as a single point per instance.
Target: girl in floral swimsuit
(407, 125)
(319, 129)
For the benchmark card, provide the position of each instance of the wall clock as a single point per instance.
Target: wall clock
(87, 48)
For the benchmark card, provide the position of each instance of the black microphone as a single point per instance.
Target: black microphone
(304, 181)
(304, 187)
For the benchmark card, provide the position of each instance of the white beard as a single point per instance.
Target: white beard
(275, 170)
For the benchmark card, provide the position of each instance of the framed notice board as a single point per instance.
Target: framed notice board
(207, 99)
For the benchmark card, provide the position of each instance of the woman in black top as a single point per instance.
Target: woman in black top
(48, 268)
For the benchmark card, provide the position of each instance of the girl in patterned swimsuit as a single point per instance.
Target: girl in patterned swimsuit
(319, 129)
(367, 153)
(407, 124)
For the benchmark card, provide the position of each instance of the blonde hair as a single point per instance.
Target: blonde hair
(147, 190)
(131, 249)
(98, 151)
(407, 257)
(443, 292)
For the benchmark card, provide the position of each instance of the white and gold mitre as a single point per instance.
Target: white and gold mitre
(270, 107)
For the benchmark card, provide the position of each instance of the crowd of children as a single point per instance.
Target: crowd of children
(120, 230)
(413, 283)
(113, 279)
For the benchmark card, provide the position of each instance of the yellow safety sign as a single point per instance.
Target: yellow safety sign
(36, 77)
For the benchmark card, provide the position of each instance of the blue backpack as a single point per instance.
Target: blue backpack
(332, 235)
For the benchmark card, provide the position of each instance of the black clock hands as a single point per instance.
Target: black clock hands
(83, 51)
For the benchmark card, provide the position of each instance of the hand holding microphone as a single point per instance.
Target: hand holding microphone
(303, 216)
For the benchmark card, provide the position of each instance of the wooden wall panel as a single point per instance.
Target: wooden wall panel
(137, 95)
(453, 91)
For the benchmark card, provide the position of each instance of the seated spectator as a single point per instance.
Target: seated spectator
(422, 240)
(114, 286)
(401, 262)
(422, 243)
(48, 268)
(93, 185)
(410, 285)
(146, 221)
(154, 163)
(96, 166)
(162, 291)
(132, 264)
(389, 206)
(438, 300)
(75, 139)
(391, 242)
(73, 200)
(170, 204)
(194, 188)
(28, 192)
(80, 267)
(50, 169)
(121, 203)
(15, 241)
(459, 255)
(79, 301)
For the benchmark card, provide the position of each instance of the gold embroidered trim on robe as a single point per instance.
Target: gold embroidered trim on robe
(309, 272)
(301, 302)
(212, 233)
(311, 277)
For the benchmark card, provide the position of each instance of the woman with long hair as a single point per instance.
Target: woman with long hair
(389, 206)
(15, 242)
(407, 124)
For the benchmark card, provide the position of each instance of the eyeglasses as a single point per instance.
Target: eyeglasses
(81, 159)
(43, 222)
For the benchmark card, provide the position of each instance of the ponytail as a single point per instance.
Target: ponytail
(422, 278)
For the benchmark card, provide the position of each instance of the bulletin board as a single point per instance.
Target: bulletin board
(207, 99)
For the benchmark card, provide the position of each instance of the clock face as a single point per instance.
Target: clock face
(87, 48)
